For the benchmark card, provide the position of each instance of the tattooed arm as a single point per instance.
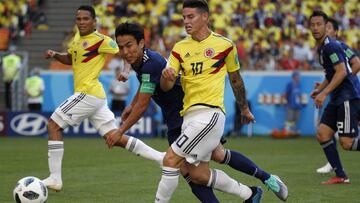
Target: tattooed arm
(238, 88)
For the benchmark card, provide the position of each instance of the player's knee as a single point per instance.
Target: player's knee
(218, 155)
(346, 144)
(322, 137)
(172, 160)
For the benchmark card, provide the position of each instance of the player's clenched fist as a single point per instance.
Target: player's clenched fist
(247, 116)
(50, 54)
(169, 74)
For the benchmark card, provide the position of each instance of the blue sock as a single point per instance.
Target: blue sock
(334, 139)
(203, 193)
(332, 156)
(241, 163)
(356, 144)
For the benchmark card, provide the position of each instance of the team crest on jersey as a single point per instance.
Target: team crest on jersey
(209, 52)
(85, 44)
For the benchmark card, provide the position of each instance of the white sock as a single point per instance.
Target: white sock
(167, 185)
(55, 155)
(140, 148)
(221, 181)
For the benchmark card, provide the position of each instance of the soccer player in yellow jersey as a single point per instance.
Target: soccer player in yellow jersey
(87, 56)
(203, 59)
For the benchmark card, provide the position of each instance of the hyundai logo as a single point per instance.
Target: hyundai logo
(29, 124)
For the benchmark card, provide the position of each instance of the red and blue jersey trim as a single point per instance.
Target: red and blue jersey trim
(92, 51)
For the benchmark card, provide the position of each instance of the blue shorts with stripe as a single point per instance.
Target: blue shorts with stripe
(343, 118)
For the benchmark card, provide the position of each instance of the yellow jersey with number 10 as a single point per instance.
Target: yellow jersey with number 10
(203, 66)
(88, 59)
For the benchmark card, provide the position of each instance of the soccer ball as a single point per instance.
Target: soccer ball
(30, 190)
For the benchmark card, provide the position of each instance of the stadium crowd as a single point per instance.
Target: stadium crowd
(269, 34)
(17, 17)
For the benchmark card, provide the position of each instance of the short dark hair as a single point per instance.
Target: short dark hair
(320, 13)
(87, 8)
(133, 29)
(200, 4)
(334, 23)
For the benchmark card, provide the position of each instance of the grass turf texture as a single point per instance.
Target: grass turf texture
(92, 173)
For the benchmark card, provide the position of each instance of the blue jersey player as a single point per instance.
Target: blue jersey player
(340, 115)
(148, 66)
(354, 61)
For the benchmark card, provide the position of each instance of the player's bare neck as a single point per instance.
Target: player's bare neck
(320, 41)
(202, 34)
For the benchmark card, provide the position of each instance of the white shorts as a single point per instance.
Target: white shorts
(201, 132)
(81, 106)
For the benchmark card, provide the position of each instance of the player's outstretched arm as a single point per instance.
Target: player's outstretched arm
(136, 113)
(168, 79)
(355, 65)
(64, 58)
(238, 88)
(128, 109)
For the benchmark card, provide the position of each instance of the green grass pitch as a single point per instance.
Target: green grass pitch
(93, 173)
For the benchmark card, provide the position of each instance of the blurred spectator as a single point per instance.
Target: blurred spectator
(303, 53)
(287, 61)
(119, 91)
(242, 54)
(219, 18)
(34, 88)
(39, 20)
(11, 64)
(260, 15)
(293, 105)
(278, 15)
(300, 18)
(120, 8)
(269, 62)
(274, 50)
(4, 38)
(257, 55)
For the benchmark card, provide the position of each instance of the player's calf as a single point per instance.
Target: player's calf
(54, 130)
(200, 174)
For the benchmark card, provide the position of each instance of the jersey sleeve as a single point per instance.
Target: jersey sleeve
(335, 53)
(232, 60)
(108, 46)
(70, 49)
(72, 43)
(348, 51)
(175, 59)
(150, 77)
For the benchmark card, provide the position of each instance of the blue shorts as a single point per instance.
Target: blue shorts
(173, 134)
(343, 118)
